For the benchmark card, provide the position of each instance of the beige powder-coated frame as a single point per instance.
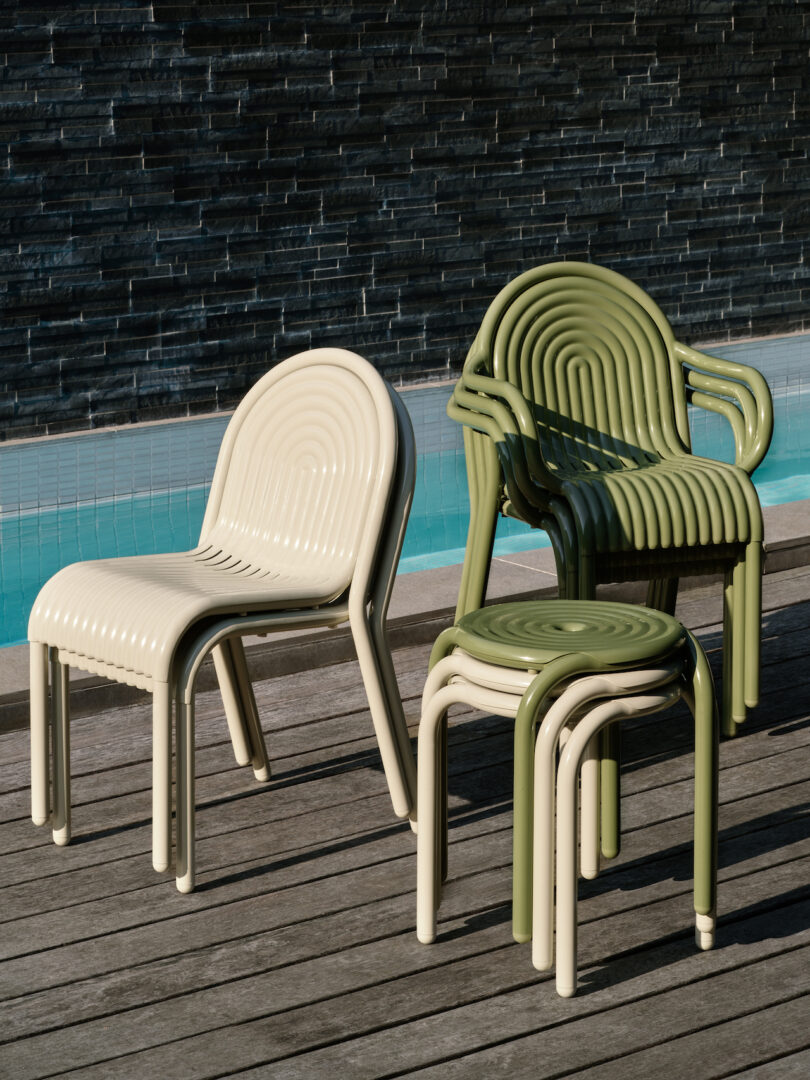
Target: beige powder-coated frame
(303, 527)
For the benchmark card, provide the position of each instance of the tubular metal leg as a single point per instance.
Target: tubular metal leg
(610, 789)
(394, 707)
(234, 714)
(753, 622)
(483, 479)
(249, 710)
(60, 734)
(738, 709)
(399, 774)
(590, 774)
(186, 856)
(553, 733)
(726, 710)
(40, 735)
(161, 777)
(570, 763)
(428, 857)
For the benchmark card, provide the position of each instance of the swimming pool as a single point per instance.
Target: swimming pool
(143, 489)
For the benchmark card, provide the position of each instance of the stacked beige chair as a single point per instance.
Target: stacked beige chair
(574, 400)
(303, 528)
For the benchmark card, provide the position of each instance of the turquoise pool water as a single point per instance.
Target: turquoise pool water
(77, 498)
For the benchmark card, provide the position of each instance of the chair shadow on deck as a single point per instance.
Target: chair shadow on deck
(776, 918)
(474, 774)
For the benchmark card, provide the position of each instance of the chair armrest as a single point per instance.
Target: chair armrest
(509, 422)
(737, 392)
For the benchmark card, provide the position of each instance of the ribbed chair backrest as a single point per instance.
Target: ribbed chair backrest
(304, 472)
(594, 354)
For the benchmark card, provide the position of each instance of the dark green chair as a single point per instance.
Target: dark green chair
(574, 403)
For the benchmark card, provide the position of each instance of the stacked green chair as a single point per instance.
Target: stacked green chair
(574, 402)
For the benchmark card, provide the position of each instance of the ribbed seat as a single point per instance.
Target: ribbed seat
(79, 609)
(680, 502)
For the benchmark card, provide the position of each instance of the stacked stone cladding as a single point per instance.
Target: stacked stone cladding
(192, 191)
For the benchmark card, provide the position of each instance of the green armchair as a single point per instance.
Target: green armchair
(574, 402)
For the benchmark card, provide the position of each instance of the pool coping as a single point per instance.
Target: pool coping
(422, 604)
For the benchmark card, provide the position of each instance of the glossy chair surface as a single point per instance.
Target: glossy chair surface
(303, 527)
(511, 659)
(574, 400)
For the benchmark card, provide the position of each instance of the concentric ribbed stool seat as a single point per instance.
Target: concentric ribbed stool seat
(511, 659)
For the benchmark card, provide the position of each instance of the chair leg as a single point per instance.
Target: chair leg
(444, 797)
(590, 784)
(428, 856)
(568, 769)
(40, 736)
(610, 790)
(553, 733)
(729, 727)
(610, 756)
(231, 701)
(738, 645)
(249, 710)
(662, 594)
(532, 707)
(484, 478)
(753, 622)
(186, 856)
(566, 864)
(394, 709)
(399, 773)
(161, 777)
(701, 699)
(60, 739)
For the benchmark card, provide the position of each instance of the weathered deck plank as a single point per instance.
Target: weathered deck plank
(297, 956)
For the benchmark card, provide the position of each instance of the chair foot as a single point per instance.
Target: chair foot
(61, 836)
(542, 958)
(413, 824)
(565, 991)
(185, 884)
(704, 931)
(262, 774)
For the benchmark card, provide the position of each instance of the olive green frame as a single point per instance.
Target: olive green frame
(574, 402)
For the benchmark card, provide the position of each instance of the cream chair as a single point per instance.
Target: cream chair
(304, 526)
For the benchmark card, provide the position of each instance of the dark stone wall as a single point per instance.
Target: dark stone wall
(191, 191)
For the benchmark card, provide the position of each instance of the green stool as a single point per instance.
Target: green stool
(530, 650)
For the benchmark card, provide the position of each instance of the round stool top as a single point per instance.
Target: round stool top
(532, 633)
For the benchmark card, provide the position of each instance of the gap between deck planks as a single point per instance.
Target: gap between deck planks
(348, 893)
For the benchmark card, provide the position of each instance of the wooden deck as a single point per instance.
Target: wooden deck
(297, 956)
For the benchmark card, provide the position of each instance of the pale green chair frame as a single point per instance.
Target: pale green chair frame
(574, 404)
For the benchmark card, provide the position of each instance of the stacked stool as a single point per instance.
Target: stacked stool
(557, 666)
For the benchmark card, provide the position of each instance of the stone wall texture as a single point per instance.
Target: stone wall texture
(193, 191)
